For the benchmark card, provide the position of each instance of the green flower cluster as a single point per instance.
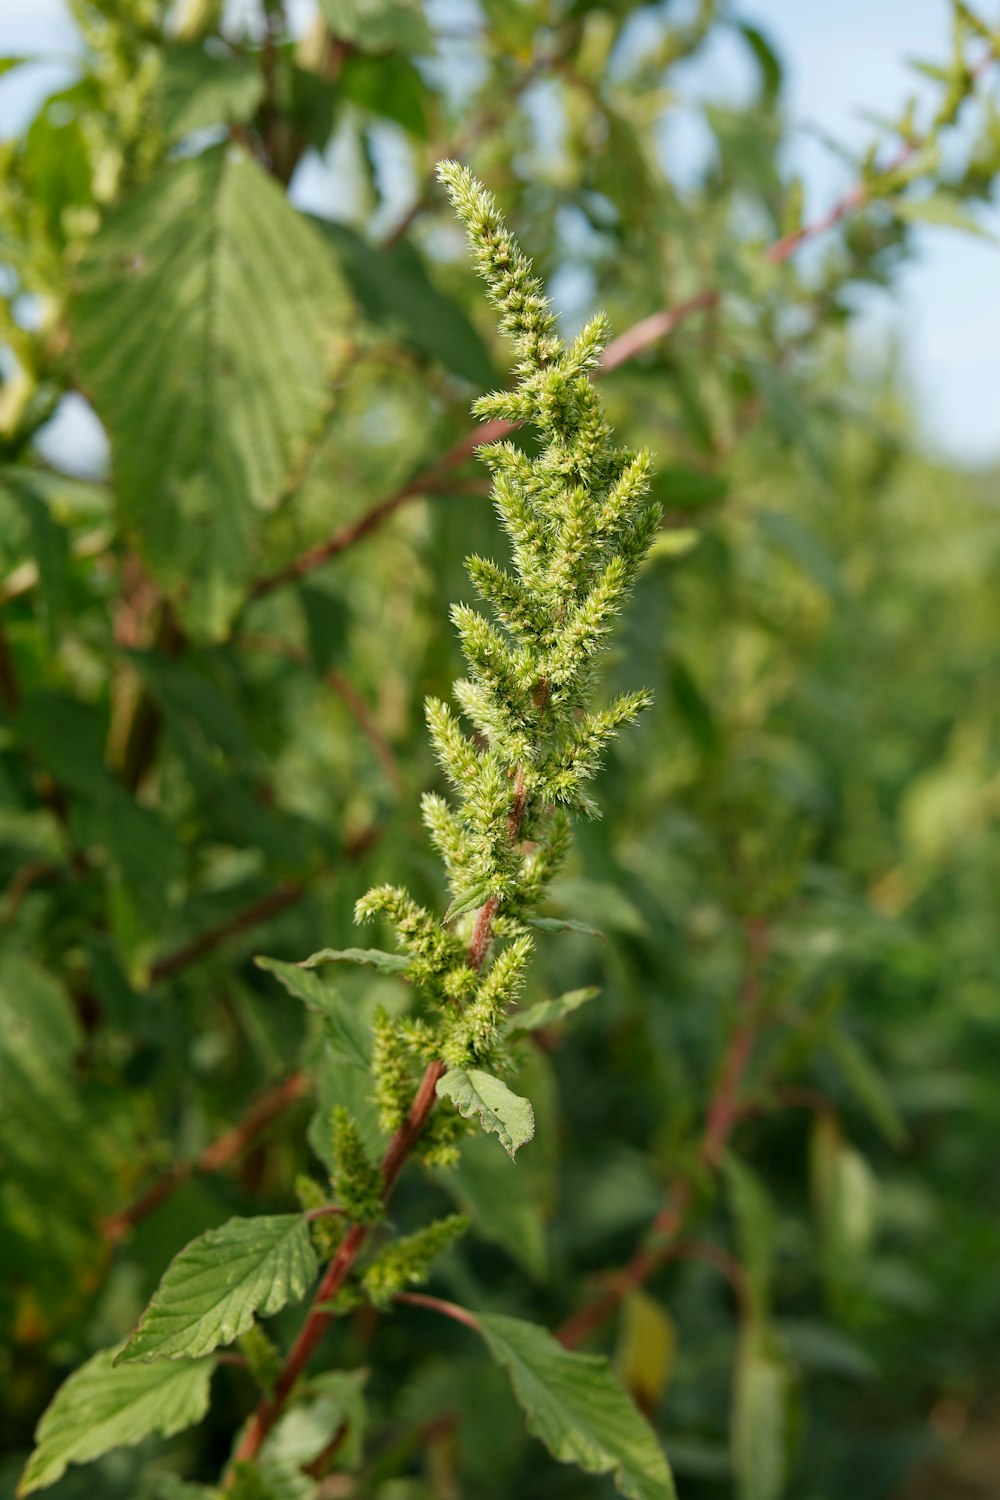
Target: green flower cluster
(579, 520)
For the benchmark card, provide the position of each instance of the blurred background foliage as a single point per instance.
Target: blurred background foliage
(213, 657)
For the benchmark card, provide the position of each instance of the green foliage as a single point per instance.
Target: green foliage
(211, 1291)
(200, 243)
(780, 1113)
(104, 1406)
(575, 1405)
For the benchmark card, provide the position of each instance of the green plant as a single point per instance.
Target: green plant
(755, 1179)
(579, 523)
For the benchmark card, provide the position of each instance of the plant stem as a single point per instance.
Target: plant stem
(206, 942)
(429, 479)
(319, 1317)
(438, 1304)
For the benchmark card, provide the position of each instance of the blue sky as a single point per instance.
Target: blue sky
(840, 60)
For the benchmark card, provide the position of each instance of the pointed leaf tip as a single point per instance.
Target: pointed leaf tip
(502, 1112)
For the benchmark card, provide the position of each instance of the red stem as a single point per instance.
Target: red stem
(319, 1316)
(438, 1304)
(427, 480)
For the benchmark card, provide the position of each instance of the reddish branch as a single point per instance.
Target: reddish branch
(433, 478)
(439, 1305)
(321, 1315)
(227, 1148)
(721, 1115)
(250, 916)
(206, 942)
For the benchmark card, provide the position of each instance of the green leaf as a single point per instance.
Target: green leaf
(644, 1356)
(820, 1347)
(388, 86)
(327, 621)
(51, 1115)
(396, 291)
(464, 902)
(511, 1203)
(766, 59)
(101, 1407)
(197, 90)
(271, 1478)
(505, 1114)
(942, 210)
(172, 1488)
(208, 321)
(386, 963)
(563, 924)
(49, 543)
(378, 25)
(346, 1030)
(547, 1012)
(676, 541)
(574, 1403)
(211, 1291)
(846, 1197)
(599, 901)
(763, 1427)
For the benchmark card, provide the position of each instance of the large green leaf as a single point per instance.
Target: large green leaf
(51, 1117)
(574, 1403)
(102, 1406)
(208, 321)
(504, 1113)
(212, 1289)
